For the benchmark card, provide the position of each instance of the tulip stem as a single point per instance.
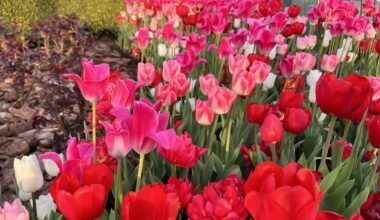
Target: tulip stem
(327, 143)
(272, 147)
(341, 148)
(212, 136)
(374, 169)
(228, 137)
(34, 206)
(139, 172)
(94, 128)
(173, 170)
(118, 193)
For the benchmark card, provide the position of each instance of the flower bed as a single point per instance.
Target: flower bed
(240, 109)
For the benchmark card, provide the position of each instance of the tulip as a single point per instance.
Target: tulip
(311, 41)
(312, 96)
(208, 84)
(370, 208)
(301, 43)
(225, 48)
(24, 196)
(256, 113)
(142, 38)
(243, 83)
(237, 63)
(286, 66)
(296, 120)
(313, 77)
(183, 189)
(120, 93)
(53, 165)
(14, 211)
(188, 60)
(170, 69)
(329, 62)
(28, 173)
(268, 83)
(270, 191)
(167, 94)
(183, 154)
(195, 43)
(146, 73)
(98, 174)
(219, 200)
(222, 100)
(95, 80)
(346, 98)
(326, 38)
(271, 130)
(162, 205)
(373, 131)
(117, 138)
(260, 70)
(294, 10)
(180, 84)
(45, 205)
(304, 62)
(161, 50)
(290, 98)
(265, 40)
(203, 113)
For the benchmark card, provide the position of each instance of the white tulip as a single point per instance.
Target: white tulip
(237, 23)
(51, 167)
(192, 105)
(322, 117)
(162, 51)
(249, 49)
(273, 52)
(326, 38)
(152, 92)
(45, 205)
(313, 77)
(28, 173)
(192, 84)
(268, 83)
(24, 196)
(312, 97)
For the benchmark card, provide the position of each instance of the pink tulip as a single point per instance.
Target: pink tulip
(170, 36)
(311, 41)
(146, 73)
(219, 22)
(286, 66)
(170, 69)
(195, 43)
(208, 84)
(180, 84)
(279, 21)
(146, 127)
(239, 38)
(166, 93)
(374, 82)
(225, 48)
(117, 138)
(142, 38)
(304, 62)
(187, 60)
(237, 63)
(222, 100)
(203, 113)
(204, 25)
(243, 82)
(14, 211)
(120, 93)
(329, 62)
(266, 41)
(95, 80)
(260, 70)
(301, 43)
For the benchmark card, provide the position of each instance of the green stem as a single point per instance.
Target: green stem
(228, 137)
(34, 206)
(139, 172)
(373, 173)
(341, 148)
(212, 136)
(118, 193)
(273, 151)
(327, 143)
(94, 128)
(173, 170)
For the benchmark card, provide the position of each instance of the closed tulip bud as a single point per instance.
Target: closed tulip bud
(256, 113)
(311, 41)
(301, 43)
(28, 173)
(243, 83)
(271, 130)
(269, 81)
(162, 51)
(313, 77)
(24, 196)
(14, 211)
(304, 61)
(208, 84)
(296, 120)
(312, 96)
(117, 138)
(45, 205)
(273, 52)
(167, 94)
(146, 73)
(329, 62)
(222, 100)
(203, 113)
(326, 38)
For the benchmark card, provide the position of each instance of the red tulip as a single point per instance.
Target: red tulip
(291, 99)
(326, 215)
(256, 113)
(371, 207)
(289, 193)
(183, 189)
(298, 28)
(294, 10)
(219, 200)
(98, 174)
(374, 131)
(151, 202)
(356, 216)
(296, 120)
(182, 10)
(271, 130)
(346, 98)
(377, 46)
(183, 153)
(95, 80)
(66, 181)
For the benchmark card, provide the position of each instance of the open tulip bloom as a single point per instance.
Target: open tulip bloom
(237, 110)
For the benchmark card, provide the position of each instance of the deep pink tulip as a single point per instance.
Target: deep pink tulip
(266, 41)
(279, 21)
(142, 38)
(208, 84)
(225, 48)
(170, 69)
(222, 100)
(166, 93)
(219, 22)
(237, 63)
(170, 36)
(188, 61)
(147, 127)
(203, 113)
(120, 93)
(239, 38)
(95, 80)
(117, 138)
(195, 43)
(146, 73)
(286, 66)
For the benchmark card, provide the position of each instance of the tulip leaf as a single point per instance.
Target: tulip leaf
(302, 160)
(330, 178)
(234, 169)
(357, 202)
(335, 199)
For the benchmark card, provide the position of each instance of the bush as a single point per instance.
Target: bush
(99, 14)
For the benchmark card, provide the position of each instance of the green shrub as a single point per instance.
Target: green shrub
(24, 12)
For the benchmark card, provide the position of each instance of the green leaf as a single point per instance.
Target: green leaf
(329, 180)
(357, 202)
(234, 169)
(302, 160)
(335, 199)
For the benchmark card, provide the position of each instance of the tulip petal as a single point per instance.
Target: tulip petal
(166, 139)
(56, 158)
